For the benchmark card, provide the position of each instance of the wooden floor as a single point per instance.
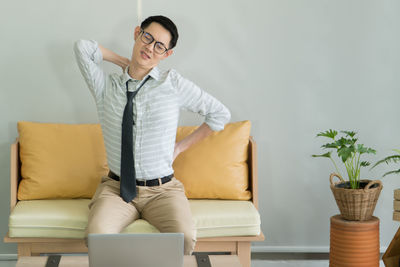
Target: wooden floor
(254, 263)
(267, 260)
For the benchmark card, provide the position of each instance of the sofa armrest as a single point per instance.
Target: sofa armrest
(253, 173)
(14, 173)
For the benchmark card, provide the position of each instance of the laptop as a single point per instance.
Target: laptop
(131, 250)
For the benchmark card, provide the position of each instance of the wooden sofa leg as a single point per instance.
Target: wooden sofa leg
(244, 253)
(24, 249)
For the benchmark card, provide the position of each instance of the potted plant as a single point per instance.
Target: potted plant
(355, 198)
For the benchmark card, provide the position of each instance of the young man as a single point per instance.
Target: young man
(138, 111)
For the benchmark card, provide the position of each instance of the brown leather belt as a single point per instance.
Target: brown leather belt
(152, 182)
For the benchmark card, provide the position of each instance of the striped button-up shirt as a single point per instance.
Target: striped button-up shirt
(155, 111)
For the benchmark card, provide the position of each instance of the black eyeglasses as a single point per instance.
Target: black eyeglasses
(147, 38)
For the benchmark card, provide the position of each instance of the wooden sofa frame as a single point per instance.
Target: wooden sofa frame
(236, 245)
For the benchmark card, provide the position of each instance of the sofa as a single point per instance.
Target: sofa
(55, 170)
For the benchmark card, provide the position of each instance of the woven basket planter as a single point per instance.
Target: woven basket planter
(356, 204)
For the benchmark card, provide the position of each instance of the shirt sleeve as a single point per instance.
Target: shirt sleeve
(194, 99)
(88, 57)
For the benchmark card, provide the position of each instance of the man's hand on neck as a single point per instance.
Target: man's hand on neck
(136, 72)
(113, 57)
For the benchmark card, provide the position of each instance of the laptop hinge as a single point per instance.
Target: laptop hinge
(202, 260)
(53, 260)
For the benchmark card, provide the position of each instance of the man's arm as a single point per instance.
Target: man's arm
(193, 98)
(88, 56)
(113, 57)
(200, 133)
(196, 100)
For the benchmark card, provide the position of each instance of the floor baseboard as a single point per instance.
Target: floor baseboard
(274, 256)
(296, 249)
(290, 249)
(8, 257)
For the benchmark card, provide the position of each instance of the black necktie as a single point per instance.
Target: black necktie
(128, 175)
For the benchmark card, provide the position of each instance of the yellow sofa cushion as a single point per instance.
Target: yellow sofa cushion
(68, 160)
(60, 160)
(67, 218)
(216, 167)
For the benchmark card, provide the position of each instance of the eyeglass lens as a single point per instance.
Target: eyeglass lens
(147, 38)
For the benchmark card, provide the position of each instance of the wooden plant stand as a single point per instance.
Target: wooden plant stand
(391, 258)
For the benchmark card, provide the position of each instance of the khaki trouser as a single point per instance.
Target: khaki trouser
(165, 207)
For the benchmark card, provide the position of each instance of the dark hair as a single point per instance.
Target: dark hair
(167, 24)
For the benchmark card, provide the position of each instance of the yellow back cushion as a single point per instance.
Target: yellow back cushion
(216, 167)
(60, 160)
(68, 160)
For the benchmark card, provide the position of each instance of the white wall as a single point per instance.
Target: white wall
(293, 68)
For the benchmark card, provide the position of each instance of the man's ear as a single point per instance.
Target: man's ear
(137, 32)
(168, 53)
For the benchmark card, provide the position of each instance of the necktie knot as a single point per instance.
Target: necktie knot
(130, 95)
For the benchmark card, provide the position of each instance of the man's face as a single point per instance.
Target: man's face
(144, 54)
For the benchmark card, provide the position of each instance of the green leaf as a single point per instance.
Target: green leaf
(345, 152)
(331, 145)
(393, 158)
(387, 160)
(365, 164)
(343, 141)
(349, 133)
(330, 134)
(392, 172)
(361, 149)
(326, 155)
(396, 150)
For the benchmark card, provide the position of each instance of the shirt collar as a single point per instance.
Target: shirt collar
(154, 73)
